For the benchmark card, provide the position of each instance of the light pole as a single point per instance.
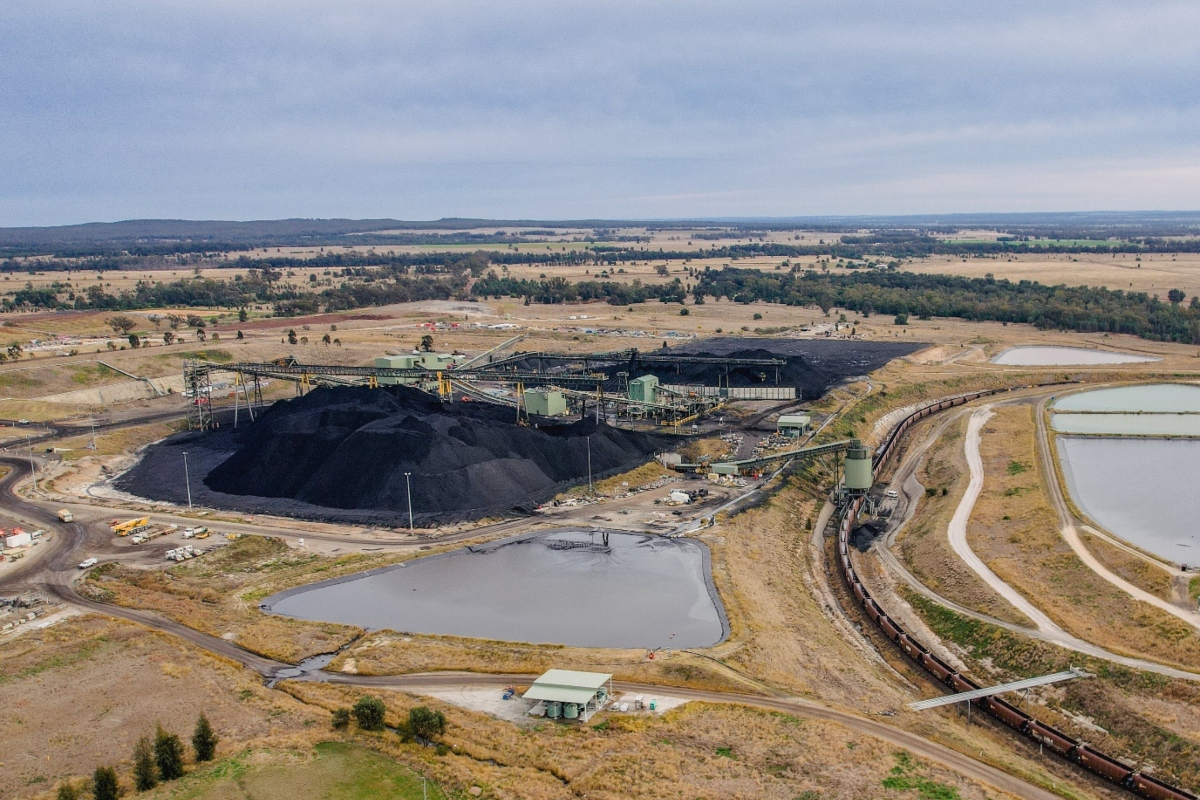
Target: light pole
(589, 442)
(93, 434)
(187, 480)
(408, 486)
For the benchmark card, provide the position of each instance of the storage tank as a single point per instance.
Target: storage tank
(859, 477)
(571, 711)
(553, 709)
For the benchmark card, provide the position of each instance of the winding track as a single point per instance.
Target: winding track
(54, 572)
(905, 481)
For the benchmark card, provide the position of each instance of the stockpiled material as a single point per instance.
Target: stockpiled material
(348, 448)
(813, 365)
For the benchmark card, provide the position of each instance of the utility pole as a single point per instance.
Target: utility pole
(187, 480)
(408, 485)
(93, 434)
(589, 445)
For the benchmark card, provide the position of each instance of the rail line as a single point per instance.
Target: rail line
(1046, 736)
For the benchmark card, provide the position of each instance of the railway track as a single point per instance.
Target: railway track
(1079, 753)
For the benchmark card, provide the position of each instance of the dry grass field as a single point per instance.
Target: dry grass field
(698, 750)
(1152, 273)
(78, 694)
(218, 594)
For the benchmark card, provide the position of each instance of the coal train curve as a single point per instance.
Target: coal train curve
(1048, 737)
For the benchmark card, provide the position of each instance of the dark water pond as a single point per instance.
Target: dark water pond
(639, 592)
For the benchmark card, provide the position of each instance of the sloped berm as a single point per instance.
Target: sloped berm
(342, 454)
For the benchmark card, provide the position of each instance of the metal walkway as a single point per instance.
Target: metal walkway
(1015, 686)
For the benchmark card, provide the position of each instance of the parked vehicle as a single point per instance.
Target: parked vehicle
(89, 563)
(65, 515)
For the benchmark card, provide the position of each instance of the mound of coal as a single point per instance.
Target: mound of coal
(349, 448)
(813, 365)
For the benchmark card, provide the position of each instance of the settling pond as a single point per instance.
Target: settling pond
(1138, 488)
(639, 592)
(1051, 356)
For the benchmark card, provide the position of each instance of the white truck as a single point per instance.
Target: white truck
(89, 563)
(65, 516)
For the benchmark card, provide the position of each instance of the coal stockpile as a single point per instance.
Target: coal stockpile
(813, 365)
(342, 454)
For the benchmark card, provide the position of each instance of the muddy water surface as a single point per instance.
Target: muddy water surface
(642, 592)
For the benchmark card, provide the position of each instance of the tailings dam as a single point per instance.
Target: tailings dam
(564, 587)
(1130, 456)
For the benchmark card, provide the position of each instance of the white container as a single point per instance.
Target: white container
(18, 540)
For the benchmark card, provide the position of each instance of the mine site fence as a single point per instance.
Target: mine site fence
(1046, 736)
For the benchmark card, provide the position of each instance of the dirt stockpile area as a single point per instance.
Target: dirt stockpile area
(813, 365)
(342, 454)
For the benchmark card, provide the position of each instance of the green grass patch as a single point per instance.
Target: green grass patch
(725, 752)
(16, 379)
(1016, 468)
(1194, 588)
(336, 771)
(906, 776)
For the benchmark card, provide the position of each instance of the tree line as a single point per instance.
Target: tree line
(154, 762)
(1075, 308)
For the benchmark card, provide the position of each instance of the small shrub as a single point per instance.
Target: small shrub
(341, 718)
(204, 740)
(168, 752)
(145, 771)
(368, 713)
(683, 312)
(426, 724)
(104, 784)
(441, 750)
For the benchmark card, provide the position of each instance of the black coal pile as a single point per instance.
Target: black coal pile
(342, 453)
(813, 365)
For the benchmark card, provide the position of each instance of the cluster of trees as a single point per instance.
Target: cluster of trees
(254, 289)
(1078, 308)
(154, 761)
(422, 724)
(560, 290)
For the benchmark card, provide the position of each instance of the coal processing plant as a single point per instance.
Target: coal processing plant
(442, 438)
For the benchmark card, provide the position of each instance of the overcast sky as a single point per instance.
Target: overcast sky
(255, 110)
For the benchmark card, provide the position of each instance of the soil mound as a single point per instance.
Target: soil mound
(349, 448)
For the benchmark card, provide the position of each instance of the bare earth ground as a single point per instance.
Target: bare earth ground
(81, 692)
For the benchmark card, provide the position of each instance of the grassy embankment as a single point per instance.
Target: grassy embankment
(924, 546)
(1144, 718)
(219, 593)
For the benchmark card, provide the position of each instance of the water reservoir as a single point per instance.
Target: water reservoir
(1138, 488)
(1152, 398)
(1128, 424)
(1142, 490)
(1050, 356)
(638, 592)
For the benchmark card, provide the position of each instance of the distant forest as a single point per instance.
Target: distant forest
(879, 291)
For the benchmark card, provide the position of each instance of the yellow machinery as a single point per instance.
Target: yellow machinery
(131, 526)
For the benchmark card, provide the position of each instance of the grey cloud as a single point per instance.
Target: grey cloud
(255, 109)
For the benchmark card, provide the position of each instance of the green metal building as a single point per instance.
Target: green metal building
(545, 402)
(644, 389)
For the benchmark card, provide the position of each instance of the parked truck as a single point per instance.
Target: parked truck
(65, 515)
